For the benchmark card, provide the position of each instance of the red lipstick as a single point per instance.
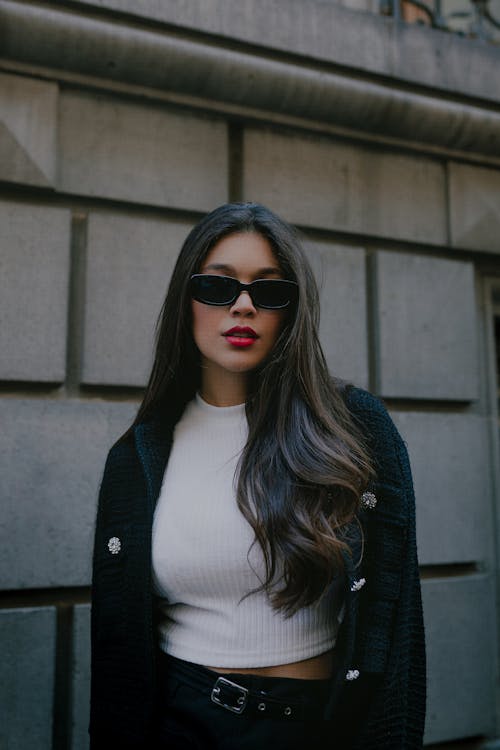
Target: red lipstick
(241, 336)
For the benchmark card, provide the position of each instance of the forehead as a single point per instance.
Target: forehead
(244, 253)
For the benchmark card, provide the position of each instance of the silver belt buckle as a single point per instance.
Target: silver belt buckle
(241, 700)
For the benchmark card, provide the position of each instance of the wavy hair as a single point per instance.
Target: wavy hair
(305, 462)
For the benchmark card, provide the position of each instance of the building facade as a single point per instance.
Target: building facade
(121, 123)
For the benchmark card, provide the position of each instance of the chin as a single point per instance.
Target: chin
(241, 368)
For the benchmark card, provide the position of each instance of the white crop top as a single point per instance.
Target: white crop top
(202, 566)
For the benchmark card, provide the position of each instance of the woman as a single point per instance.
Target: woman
(255, 579)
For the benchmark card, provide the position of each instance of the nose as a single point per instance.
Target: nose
(243, 304)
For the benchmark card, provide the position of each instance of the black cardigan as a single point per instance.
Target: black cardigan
(377, 698)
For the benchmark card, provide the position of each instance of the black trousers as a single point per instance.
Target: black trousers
(200, 709)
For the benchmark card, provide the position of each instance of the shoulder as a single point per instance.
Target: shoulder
(364, 404)
(119, 464)
(121, 451)
(370, 414)
(383, 438)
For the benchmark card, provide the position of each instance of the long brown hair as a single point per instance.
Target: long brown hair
(305, 462)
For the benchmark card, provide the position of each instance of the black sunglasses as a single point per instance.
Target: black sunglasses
(271, 294)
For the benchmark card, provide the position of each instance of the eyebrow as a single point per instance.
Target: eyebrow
(231, 270)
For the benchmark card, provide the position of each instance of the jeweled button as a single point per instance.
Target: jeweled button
(114, 545)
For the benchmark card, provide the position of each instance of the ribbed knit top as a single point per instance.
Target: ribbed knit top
(204, 563)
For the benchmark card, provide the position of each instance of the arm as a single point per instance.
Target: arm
(384, 708)
(107, 614)
(396, 715)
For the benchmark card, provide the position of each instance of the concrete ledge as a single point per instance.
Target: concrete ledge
(158, 59)
(327, 32)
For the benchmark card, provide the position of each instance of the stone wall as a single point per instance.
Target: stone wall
(121, 123)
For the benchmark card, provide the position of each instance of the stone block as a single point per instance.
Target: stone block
(27, 677)
(474, 207)
(363, 5)
(81, 677)
(327, 31)
(449, 458)
(147, 154)
(129, 264)
(314, 181)
(28, 130)
(461, 638)
(34, 277)
(52, 455)
(340, 273)
(427, 327)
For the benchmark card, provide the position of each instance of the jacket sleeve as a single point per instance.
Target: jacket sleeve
(107, 618)
(97, 601)
(121, 684)
(395, 716)
(383, 707)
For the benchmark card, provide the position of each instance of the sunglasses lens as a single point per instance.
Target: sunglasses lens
(223, 290)
(274, 293)
(213, 290)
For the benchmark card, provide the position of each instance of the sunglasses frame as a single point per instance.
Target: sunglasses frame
(241, 287)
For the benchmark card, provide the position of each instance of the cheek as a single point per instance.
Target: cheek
(204, 320)
(196, 320)
(275, 325)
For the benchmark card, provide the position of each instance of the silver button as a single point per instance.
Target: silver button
(369, 500)
(287, 711)
(261, 706)
(114, 545)
(352, 674)
(357, 585)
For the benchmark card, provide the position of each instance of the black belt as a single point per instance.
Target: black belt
(240, 698)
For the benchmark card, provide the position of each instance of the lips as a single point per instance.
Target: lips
(241, 336)
(243, 331)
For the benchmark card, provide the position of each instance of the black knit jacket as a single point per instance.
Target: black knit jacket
(377, 697)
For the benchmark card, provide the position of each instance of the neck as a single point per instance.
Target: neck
(223, 388)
